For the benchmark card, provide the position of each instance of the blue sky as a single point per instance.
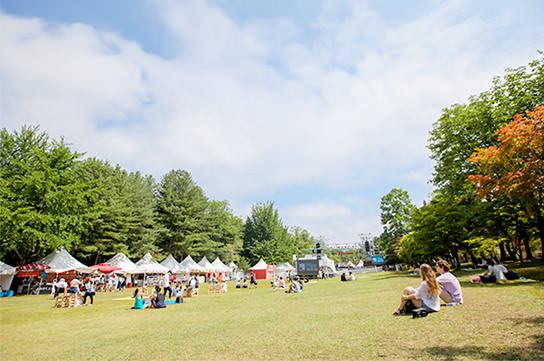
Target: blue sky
(319, 106)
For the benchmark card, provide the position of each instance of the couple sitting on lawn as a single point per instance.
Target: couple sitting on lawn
(156, 300)
(427, 296)
(496, 273)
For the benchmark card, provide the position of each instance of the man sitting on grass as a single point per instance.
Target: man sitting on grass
(157, 298)
(451, 288)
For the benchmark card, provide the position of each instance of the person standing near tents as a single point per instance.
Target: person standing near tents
(252, 280)
(166, 284)
(74, 285)
(89, 290)
(59, 286)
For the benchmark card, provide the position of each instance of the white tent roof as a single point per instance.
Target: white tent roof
(170, 263)
(326, 262)
(207, 266)
(284, 267)
(220, 265)
(350, 264)
(147, 265)
(61, 261)
(6, 275)
(190, 265)
(126, 265)
(6, 269)
(360, 264)
(260, 265)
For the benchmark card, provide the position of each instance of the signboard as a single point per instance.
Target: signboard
(307, 267)
(378, 259)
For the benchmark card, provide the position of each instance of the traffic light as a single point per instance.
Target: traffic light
(318, 248)
(367, 246)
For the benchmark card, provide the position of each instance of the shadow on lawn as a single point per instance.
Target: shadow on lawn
(394, 275)
(532, 351)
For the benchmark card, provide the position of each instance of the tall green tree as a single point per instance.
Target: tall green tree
(43, 201)
(225, 230)
(266, 237)
(125, 220)
(396, 217)
(302, 239)
(182, 211)
(462, 128)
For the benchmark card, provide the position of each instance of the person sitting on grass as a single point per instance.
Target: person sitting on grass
(426, 295)
(509, 275)
(296, 286)
(351, 277)
(244, 285)
(493, 274)
(139, 295)
(282, 283)
(157, 298)
(451, 288)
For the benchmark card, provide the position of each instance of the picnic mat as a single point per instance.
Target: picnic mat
(505, 282)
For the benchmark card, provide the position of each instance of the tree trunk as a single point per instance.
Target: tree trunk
(503, 256)
(540, 227)
(528, 252)
(512, 254)
(472, 257)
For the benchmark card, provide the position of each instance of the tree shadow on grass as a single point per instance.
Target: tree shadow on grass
(394, 275)
(469, 284)
(527, 352)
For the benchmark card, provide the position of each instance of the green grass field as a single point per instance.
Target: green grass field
(330, 320)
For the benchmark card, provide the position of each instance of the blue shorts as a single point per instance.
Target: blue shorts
(423, 305)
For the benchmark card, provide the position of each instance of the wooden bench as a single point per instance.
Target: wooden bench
(192, 293)
(66, 300)
(214, 288)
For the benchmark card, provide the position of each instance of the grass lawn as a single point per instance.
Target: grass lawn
(330, 320)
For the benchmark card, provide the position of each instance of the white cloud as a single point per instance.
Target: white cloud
(252, 107)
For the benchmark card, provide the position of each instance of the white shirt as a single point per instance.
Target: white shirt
(433, 302)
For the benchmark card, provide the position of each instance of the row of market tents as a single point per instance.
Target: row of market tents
(61, 261)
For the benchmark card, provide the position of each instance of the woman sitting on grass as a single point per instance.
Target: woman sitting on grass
(139, 295)
(426, 295)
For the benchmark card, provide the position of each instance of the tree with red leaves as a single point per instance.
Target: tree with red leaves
(515, 167)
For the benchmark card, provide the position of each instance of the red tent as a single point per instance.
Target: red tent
(31, 270)
(263, 271)
(106, 268)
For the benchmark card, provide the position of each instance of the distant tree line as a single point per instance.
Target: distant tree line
(50, 196)
(489, 179)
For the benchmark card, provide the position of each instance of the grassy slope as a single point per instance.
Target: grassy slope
(329, 320)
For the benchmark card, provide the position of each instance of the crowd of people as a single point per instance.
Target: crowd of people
(427, 296)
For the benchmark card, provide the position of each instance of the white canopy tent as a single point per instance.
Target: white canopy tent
(190, 265)
(61, 261)
(207, 266)
(126, 265)
(361, 264)
(147, 265)
(327, 264)
(283, 269)
(237, 273)
(221, 266)
(170, 263)
(6, 275)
